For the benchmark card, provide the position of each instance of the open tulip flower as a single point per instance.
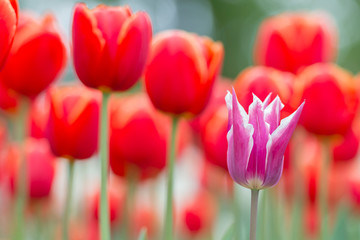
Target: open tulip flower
(256, 145)
(257, 141)
(9, 18)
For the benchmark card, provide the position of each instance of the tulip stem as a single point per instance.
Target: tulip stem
(253, 214)
(168, 228)
(67, 209)
(237, 213)
(323, 190)
(21, 189)
(104, 159)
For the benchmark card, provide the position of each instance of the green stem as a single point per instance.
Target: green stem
(323, 190)
(67, 210)
(168, 228)
(21, 190)
(254, 207)
(104, 159)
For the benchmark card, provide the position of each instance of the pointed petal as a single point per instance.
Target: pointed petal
(256, 164)
(272, 113)
(280, 138)
(240, 140)
(267, 101)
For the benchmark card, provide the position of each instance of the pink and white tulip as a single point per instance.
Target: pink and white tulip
(257, 141)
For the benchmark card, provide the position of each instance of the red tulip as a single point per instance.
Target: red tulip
(345, 149)
(261, 81)
(8, 99)
(198, 215)
(110, 46)
(134, 122)
(38, 50)
(181, 71)
(72, 128)
(40, 171)
(331, 99)
(145, 217)
(213, 138)
(9, 17)
(39, 114)
(291, 41)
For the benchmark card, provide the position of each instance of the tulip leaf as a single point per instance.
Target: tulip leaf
(340, 231)
(142, 235)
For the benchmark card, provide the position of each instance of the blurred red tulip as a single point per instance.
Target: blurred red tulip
(216, 180)
(145, 217)
(291, 41)
(181, 71)
(345, 149)
(198, 215)
(38, 50)
(354, 191)
(8, 99)
(39, 114)
(72, 127)
(135, 122)
(40, 171)
(110, 46)
(116, 195)
(261, 81)
(331, 99)
(311, 220)
(9, 18)
(213, 138)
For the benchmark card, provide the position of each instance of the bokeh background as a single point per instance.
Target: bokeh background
(233, 22)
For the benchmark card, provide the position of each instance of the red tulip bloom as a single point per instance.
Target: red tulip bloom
(181, 71)
(291, 41)
(199, 214)
(331, 98)
(8, 99)
(261, 81)
(72, 128)
(135, 122)
(9, 17)
(110, 46)
(40, 171)
(38, 50)
(346, 148)
(39, 114)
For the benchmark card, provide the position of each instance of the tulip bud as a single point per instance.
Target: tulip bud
(181, 71)
(110, 46)
(38, 50)
(291, 41)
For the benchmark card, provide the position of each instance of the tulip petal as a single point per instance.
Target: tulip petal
(240, 140)
(7, 28)
(279, 140)
(272, 113)
(134, 43)
(256, 166)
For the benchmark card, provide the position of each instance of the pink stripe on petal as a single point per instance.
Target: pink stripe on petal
(267, 101)
(272, 113)
(280, 138)
(240, 140)
(256, 164)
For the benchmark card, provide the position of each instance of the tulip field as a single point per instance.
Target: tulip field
(125, 127)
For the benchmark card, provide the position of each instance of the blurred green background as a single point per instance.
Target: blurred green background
(233, 22)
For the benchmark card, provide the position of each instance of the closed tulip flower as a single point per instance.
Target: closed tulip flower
(181, 71)
(9, 17)
(72, 128)
(38, 50)
(331, 96)
(257, 141)
(110, 46)
(291, 41)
